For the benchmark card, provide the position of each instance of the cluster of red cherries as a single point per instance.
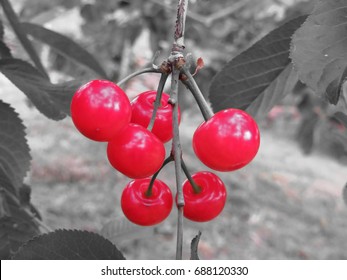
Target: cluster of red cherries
(229, 140)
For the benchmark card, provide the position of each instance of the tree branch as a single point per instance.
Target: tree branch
(208, 20)
(181, 23)
(177, 154)
(177, 61)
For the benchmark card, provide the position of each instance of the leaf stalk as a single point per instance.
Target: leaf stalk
(22, 36)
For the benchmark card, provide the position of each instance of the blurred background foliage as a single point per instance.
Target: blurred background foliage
(111, 28)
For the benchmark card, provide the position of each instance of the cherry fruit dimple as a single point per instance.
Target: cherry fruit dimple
(209, 202)
(143, 209)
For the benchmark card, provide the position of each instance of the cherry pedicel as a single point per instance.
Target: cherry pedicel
(228, 141)
(100, 109)
(142, 110)
(209, 202)
(146, 209)
(136, 152)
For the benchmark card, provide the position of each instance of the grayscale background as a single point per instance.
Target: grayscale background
(287, 204)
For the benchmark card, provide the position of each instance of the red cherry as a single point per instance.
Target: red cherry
(100, 109)
(228, 141)
(209, 202)
(146, 210)
(136, 152)
(142, 109)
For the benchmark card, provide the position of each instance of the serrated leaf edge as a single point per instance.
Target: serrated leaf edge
(62, 231)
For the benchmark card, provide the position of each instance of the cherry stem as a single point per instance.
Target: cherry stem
(148, 192)
(22, 37)
(137, 73)
(160, 89)
(197, 94)
(176, 56)
(177, 154)
(196, 188)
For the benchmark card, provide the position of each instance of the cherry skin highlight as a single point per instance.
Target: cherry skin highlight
(228, 141)
(100, 109)
(136, 152)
